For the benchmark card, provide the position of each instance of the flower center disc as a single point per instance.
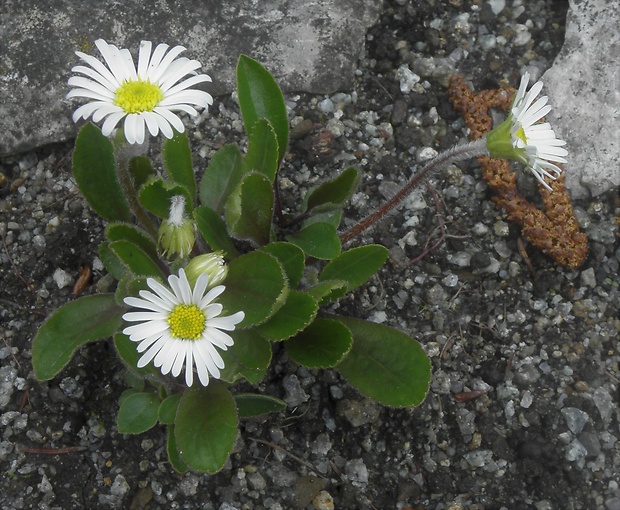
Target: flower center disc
(521, 134)
(186, 322)
(138, 96)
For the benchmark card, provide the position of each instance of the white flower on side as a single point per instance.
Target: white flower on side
(176, 234)
(522, 137)
(181, 326)
(148, 96)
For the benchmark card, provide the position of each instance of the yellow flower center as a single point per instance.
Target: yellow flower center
(521, 134)
(186, 322)
(138, 96)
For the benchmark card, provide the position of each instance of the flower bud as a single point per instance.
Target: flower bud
(176, 234)
(211, 264)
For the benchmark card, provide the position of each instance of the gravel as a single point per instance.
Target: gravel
(522, 411)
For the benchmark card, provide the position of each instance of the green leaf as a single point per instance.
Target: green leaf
(322, 344)
(333, 194)
(112, 263)
(323, 291)
(75, 324)
(385, 364)
(291, 257)
(138, 413)
(250, 404)
(355, 267)
(173, 452)
(319, 240)
(168, 409)
(248, 357)
(298, 311)
(214, 232)
(332, 217)
(249, 210)
(136, 260)
(130, 285)
(261, 98)
(141, 170)
(94, 169)
(206, 426)
(178, 163)
(156, 194)
(221, 177)
(256, 284)
(127, 232)
(262, 153)
(128, 352)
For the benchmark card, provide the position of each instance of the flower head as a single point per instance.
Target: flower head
(181, 326)
(147, 96)
(176, 234)
(212, 264)
(523, 138)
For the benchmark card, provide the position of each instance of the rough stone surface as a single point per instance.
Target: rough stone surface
(583, 86)
(308, 46)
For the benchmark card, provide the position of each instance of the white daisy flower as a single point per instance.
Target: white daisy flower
(523, 138)
(181, 326)
(147, 96)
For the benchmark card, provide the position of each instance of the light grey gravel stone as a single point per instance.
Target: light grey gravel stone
(583, 86)
(575, 419)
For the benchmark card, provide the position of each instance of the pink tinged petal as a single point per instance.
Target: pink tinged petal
(144, 56)
(111, 122)
(99, 68)
(189, 366)
(172, 119)
(158, 72)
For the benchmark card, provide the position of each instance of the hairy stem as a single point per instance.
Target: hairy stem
(453, 155)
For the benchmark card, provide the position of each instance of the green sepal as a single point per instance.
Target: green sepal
(385, 364)
(206, 426)
(500, 144)
(221, 177)
(137, 413)
(323, 344)
(251, 404)
(177, 158)
(319, 240)
(73, 325)
(213, 230)
(248, 358)
(94, 170)
(261, 98)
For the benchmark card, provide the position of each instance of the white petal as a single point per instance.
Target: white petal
(189, 367)
(218, 338)
(111, 122)
(211, 295)
(157, 73)
(99, 68)
(172, 119)
(144, 56)
(182, 349)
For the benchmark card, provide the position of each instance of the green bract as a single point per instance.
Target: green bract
(278, 268)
